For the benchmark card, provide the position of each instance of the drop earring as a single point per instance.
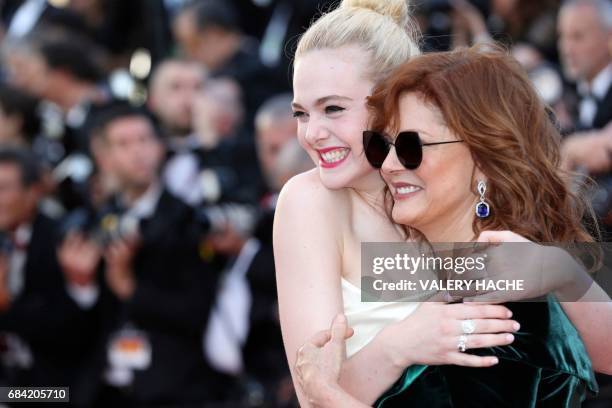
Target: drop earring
(482, 207)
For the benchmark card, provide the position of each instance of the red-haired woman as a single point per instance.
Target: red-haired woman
(465, 145)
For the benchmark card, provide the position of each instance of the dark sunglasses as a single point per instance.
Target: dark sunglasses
(408, 147)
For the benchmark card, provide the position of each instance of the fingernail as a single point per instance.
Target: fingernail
(341, 318)
(516, 326)
(509, 338)
(495, 360)
(509, 313)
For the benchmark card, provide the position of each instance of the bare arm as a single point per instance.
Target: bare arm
(591, 314)
(372, 370)
(318, 366)
(334, 396)
(308, 257)
(594, 323)
(308, 265)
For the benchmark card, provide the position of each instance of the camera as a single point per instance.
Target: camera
(103, 229)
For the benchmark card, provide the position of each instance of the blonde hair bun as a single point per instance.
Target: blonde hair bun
(395, 9)
(383, 28)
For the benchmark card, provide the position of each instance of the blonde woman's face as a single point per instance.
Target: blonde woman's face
(330, 94)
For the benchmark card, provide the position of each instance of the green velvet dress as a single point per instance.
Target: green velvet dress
(546, 366)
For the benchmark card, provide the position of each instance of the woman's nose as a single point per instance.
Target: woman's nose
(315, 133)
(391, 163)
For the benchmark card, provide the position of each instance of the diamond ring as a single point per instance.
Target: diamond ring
(461, 345)
(468, 326)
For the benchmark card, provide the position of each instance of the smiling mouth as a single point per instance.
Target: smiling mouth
(333, 157)
(405, 190)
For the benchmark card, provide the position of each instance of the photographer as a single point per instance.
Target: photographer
(162, 280)
(585, 29)
(47, 323)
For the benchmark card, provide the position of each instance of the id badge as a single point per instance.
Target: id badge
(130, 348)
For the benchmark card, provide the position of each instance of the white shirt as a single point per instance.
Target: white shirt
(228, 326)
(184, 178)
(17, 260)
(596, 91)
(145, 205)
(25, 18)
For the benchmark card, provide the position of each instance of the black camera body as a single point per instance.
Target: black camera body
(103, 228)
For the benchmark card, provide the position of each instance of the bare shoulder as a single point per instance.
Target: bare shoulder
(304, 196)
(310, 219)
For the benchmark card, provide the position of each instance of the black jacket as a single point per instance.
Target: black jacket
(59, 333)
(176, 284)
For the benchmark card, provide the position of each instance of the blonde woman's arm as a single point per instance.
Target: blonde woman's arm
(308, 258)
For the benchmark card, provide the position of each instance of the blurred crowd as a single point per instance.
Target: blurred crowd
(142, 147)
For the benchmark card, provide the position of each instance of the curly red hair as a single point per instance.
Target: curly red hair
(487, 99)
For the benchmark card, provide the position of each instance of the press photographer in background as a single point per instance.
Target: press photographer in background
(217, 162)
(243, 337)
(585, 31)
(161, 280)
(48, 321)
(209, 32)
(173, 86)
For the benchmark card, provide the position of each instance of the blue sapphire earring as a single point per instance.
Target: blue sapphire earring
(482, 207)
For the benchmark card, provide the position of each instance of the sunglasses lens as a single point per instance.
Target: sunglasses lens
(409, 150)
(375, 148)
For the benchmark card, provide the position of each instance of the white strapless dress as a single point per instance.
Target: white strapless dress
(369, 318)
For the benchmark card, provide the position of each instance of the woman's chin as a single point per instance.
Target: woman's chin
(409, 218)
(336, 179)
(333, 183)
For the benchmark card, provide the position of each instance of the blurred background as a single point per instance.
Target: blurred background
(142, 147)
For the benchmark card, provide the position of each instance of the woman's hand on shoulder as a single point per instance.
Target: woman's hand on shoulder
(540, 269)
